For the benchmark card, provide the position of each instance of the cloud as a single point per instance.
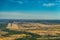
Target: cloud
(57, 1)
(49, 4)
(20, 2)
(19, 15)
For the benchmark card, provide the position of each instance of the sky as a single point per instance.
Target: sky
(30, 9)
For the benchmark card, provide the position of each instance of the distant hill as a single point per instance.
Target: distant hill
(34, 21)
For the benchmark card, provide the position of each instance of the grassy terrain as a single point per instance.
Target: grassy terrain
(23, 35)
(44, 33)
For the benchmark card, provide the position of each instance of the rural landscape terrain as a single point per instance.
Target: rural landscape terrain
(29, 29)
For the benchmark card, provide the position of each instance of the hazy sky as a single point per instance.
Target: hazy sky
(29, 9)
